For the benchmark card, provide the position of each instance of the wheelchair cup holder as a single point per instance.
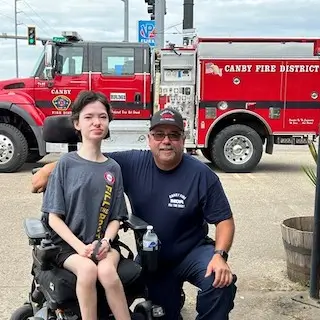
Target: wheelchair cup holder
(149, 261)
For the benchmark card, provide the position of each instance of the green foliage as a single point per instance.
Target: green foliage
(310, 173)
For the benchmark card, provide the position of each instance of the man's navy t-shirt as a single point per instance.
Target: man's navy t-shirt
(175, 202)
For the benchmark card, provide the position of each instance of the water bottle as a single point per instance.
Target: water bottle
(149, 254)
(150, 240)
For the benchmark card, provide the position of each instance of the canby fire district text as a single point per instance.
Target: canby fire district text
(270, 68)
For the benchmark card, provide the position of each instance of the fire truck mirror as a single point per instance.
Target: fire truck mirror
(48, 60)
(48, 55)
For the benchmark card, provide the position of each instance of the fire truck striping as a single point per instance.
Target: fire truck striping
(114, 104)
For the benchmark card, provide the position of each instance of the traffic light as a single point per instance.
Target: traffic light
(31, 36)
(151, 8)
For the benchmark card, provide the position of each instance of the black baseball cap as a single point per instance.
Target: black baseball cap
(167, 116)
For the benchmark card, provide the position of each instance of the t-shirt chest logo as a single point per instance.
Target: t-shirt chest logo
(109, 177)
(177, 200)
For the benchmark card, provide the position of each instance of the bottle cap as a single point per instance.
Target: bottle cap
(149, 227)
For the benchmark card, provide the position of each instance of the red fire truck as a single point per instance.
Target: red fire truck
(238, 96)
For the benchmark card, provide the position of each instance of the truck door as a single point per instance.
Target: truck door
(302, 93)
(55, 97)
(122, 72)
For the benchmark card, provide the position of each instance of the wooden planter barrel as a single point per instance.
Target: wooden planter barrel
(297, 237)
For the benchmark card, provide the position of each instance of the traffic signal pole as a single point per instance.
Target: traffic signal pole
(160, 11)
(126, 20)
(188, 30)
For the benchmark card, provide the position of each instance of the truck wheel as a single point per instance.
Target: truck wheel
(237, 148)
(13, 148)
(206, 153)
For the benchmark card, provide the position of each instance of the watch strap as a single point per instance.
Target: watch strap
(222, 253)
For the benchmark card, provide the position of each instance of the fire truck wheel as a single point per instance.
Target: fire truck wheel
(13, 148)
(237, 148)
(206, 153)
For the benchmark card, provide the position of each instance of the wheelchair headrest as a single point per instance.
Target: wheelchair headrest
(59, 129)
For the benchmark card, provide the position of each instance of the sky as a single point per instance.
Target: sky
(103, 20)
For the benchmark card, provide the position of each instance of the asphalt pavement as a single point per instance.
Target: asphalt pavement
(260, 200)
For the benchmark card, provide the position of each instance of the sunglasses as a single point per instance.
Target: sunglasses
(159, 136)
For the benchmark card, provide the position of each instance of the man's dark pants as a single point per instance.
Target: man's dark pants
(212, 303)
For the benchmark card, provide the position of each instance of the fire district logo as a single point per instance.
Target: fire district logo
(109, 177)
(61, 103)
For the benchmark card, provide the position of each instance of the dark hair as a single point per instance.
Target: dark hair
(84, 98)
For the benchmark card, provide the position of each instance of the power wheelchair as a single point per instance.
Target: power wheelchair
(52, 295)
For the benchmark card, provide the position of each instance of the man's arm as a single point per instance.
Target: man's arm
(224, 234)
(40, 179)
(217, 210)
(224, 238)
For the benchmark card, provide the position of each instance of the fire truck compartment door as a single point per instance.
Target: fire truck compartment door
(177, 88)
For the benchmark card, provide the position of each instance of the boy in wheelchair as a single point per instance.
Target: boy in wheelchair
(83, 208)
(85, 202)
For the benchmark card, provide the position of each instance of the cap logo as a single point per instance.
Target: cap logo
(167, 115)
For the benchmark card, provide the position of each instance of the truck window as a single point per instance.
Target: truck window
(71, 59)
(117, 61)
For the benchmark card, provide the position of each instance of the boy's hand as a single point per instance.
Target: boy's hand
(103, 250)
(86, 250)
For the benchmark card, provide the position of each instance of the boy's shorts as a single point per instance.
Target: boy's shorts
(66, 251)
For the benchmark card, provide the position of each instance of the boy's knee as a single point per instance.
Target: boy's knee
(87, 272)
(107, 274)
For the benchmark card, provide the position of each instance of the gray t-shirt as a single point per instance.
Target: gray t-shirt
(76, 190)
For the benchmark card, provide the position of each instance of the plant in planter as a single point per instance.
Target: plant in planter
(310, 173)
(297, 236)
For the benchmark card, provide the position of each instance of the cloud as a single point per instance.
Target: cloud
(103, 20)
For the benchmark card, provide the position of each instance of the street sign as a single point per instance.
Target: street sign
(146, 32)
(59, 39)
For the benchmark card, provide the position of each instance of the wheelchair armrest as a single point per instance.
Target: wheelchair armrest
(35, 230)
(135, 223)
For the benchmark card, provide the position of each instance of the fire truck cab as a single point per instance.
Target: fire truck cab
(237, 96)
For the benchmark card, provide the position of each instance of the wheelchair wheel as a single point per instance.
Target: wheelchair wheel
(138, 316)
(182, 299)
(23, 313)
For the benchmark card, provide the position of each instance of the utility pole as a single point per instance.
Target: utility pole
(126, 20)
(188, 30)
(16, 39)
(160, 11)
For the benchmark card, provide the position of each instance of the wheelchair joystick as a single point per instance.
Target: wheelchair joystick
(46, 242)
(45, 252)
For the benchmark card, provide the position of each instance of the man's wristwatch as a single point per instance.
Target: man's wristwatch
(222, 253)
